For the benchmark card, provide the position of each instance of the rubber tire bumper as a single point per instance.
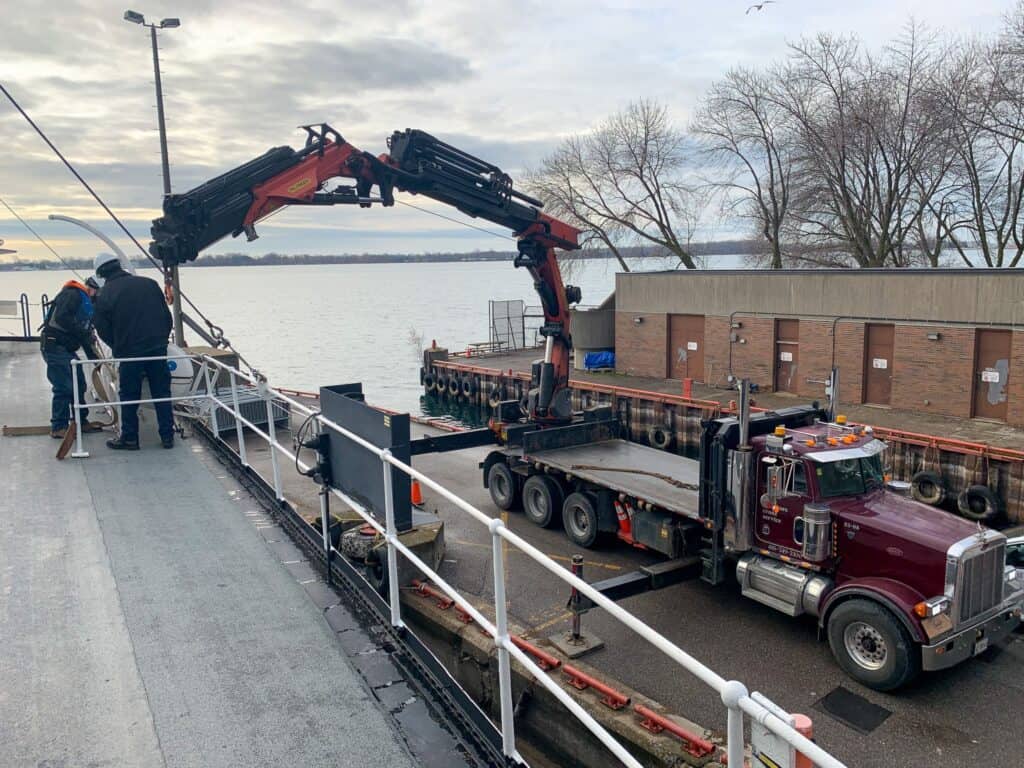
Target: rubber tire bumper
(454, 386)
(441, 383)
(660, 436)
(496, 396)
(429, 382)
(928, 488)
(542, 500)
(468, 387)
(979, 504)
(579, 516)
(503, 486)
(903, 657)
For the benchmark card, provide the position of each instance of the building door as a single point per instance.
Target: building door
(991, 373)
(878, 362)
(686, 347)
(787, 355)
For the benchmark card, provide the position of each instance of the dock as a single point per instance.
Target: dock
(151, 614)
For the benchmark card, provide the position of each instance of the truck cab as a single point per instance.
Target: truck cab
(898, 586)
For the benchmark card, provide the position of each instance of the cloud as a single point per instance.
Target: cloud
(504, 81)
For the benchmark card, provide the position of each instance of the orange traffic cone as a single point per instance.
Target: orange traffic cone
(416, 494)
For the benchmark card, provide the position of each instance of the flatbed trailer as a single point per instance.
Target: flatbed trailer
(630, 469)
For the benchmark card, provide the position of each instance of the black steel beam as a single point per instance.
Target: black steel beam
(456, 441)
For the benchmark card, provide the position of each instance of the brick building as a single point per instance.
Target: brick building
(937, 341)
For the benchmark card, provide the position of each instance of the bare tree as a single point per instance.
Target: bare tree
(747, 137)
(625, 183)
(982, 89)
(861, 138)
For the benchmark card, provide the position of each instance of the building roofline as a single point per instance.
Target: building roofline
(912, 272)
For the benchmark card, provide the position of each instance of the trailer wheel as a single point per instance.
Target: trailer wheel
(872, 646)
(927, 487)
(503, 485)
(542, 500)
(580, 518)
(979, 504)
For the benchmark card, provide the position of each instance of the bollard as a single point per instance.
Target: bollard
(577, 571)
(688, 388)
(804, 727)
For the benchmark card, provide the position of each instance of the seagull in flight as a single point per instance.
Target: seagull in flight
(758, 6)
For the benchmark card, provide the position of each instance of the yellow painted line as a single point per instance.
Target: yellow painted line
(587, 563)
(559, 558)
(563, 616)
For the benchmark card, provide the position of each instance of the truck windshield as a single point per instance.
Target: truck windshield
(849, 477)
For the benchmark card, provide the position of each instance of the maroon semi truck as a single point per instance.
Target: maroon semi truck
(801, 507)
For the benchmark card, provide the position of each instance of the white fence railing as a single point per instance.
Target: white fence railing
(735, 696)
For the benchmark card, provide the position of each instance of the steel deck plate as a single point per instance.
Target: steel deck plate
(604, 460)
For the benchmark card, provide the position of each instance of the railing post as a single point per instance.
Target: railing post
(577, 571)
(213, 405)
(268, 397)
(76, 415)
(501, 638)
(239, 427)
(325, 525)
(390, 539)
(732, 693)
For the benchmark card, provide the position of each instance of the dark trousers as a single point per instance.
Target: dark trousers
(58, 371)
(130, 376)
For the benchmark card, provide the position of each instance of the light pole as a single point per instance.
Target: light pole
(138, 18)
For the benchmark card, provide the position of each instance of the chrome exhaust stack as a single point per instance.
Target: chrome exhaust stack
(739, 523)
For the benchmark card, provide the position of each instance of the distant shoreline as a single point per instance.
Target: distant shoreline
(732, 248)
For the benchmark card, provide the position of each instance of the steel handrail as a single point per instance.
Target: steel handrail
(734, 694)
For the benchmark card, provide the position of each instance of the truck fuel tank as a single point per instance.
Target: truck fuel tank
(786, 588)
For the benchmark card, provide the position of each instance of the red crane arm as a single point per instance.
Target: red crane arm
(417, 163)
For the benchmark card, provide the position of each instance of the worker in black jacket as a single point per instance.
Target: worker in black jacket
(67, 327)
(133, 319)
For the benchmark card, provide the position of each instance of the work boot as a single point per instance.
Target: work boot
(167, 442)
(120, 444)
(58, 434)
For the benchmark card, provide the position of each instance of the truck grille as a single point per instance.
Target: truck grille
(979, 586)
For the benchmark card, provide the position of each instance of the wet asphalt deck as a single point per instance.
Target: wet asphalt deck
(131, 635)
(966, 716)
(972, 430)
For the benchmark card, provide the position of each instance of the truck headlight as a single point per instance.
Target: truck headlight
(933, 606)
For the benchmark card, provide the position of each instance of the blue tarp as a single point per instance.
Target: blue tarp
(593, 360)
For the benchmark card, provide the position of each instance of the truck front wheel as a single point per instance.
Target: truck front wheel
(580, 518)
(872, 646)
(503, 485)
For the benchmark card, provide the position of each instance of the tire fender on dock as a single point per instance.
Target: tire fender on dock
(928, 488)
(979, 504)
(660, 436)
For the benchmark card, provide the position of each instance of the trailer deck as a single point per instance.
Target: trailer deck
(661, 478)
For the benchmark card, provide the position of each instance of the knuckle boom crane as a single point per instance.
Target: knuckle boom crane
(417, 163)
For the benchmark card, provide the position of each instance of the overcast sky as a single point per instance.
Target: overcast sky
(504, 80)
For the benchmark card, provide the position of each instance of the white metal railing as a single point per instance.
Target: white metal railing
(735, 696)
